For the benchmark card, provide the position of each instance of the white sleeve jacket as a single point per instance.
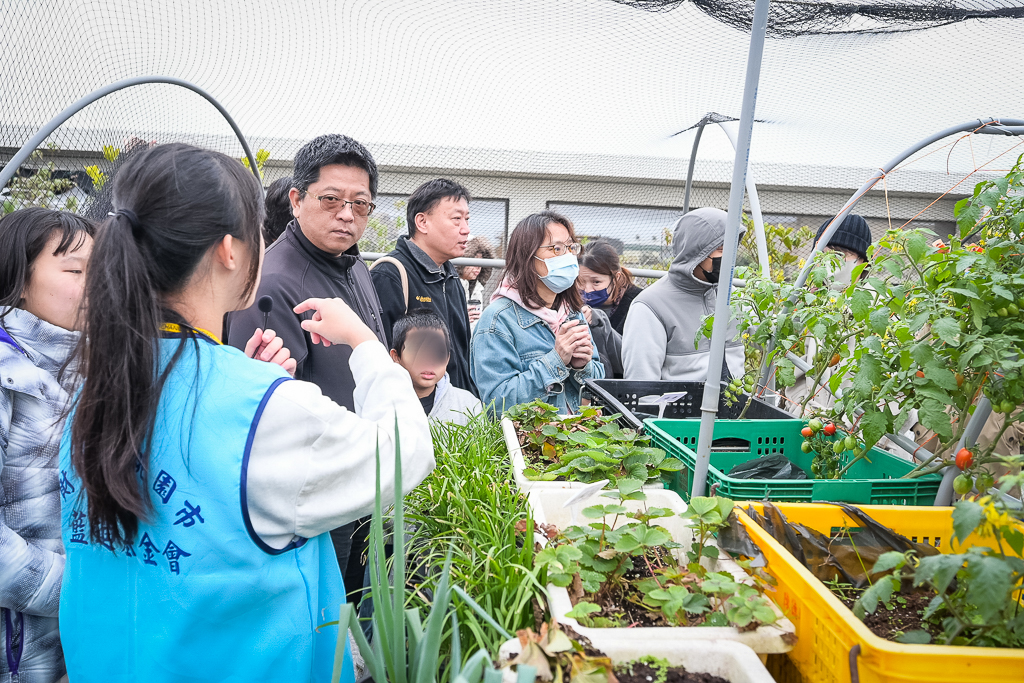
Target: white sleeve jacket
(312, 467)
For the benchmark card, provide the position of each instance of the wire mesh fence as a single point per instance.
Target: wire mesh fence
(585, 107)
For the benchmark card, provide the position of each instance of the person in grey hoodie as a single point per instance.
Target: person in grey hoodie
(663, 324)
(43, 255)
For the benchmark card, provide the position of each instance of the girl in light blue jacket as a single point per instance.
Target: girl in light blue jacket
(43, 255)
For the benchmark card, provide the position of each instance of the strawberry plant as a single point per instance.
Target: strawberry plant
(586, 447)
(630, 573)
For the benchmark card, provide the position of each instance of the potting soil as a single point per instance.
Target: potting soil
(641, 672)
(904, 616)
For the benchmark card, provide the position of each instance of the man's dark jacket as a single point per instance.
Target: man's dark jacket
(430, 286)
(294, 270)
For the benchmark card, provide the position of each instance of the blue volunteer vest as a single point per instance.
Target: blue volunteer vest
(198, 597)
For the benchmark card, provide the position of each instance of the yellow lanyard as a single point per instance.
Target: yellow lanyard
(175, 328)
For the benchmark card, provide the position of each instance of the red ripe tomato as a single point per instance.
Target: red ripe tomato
(920, 374)
(829, 429)
(807, 432)
(964, 459)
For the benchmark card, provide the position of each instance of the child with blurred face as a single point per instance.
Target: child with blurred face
(421, 346)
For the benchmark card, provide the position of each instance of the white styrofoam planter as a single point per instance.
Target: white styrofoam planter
(728, 659)
(515, 452)
(548, 508)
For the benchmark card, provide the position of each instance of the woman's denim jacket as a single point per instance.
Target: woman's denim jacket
(513, 360)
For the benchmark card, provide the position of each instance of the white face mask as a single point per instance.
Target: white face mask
(843, 277)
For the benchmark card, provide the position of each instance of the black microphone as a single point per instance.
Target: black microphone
(266, 305)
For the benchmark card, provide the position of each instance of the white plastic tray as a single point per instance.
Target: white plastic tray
(515, 452)
(733, 661)
(548, 508)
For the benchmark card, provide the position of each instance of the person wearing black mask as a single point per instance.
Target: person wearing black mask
(664, 320)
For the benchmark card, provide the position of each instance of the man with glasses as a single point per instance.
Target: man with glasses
(418, 272)
(333, 188)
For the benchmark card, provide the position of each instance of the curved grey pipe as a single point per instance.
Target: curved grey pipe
(755, 203)
(693, 162)
(1001, 127)
(26, 150)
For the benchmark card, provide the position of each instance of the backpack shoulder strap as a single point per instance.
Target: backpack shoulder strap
(401, 273)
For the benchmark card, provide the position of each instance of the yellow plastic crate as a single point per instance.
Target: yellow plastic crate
(827, 631)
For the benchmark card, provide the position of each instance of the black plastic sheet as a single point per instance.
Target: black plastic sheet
(769, 467)
(847, 555)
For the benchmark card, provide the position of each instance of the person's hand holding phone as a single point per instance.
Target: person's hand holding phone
(569, 336)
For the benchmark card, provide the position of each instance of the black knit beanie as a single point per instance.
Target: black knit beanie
(854, 234)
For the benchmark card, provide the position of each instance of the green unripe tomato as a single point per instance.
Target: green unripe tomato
(839, 446)
(984, 481)
(1002, 312)
(962, 484)
(1007, 406)
(805, 446)
(1012, 310)
(851, 442)
(815, 425)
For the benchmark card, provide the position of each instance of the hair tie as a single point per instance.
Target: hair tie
(133, 221)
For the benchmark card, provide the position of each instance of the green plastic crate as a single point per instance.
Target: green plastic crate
(735, 441)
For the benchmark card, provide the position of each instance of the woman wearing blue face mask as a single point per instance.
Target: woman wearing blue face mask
(606, 285)
(532, 341)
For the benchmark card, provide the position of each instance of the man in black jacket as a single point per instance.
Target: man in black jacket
(334, 184)
(438, 214)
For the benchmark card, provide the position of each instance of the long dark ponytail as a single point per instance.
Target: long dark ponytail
(172, 204)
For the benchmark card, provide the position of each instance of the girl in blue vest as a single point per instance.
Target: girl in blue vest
(199, 484)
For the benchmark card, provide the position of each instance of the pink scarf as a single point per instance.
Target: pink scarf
(553, 318)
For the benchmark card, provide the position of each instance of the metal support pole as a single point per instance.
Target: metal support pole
(968, 439)
(712, 388)
(26, 150)
(760, 239)
(1001, 127)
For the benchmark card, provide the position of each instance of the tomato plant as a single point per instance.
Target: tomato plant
(925, 327)
(976, 590)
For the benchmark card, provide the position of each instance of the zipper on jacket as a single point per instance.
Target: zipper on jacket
(15, 641)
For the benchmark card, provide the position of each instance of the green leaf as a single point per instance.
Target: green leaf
(916, 246)
(874, 426)
(917, 637)
(989, 584)
(948, 330)
(868, 376)
(860, 304)
(879, 591)
(879, 320)
(888, 561)
(627, 486)
(549, 430)
(941, 376)
(933, 415)
(938, 570)
(582, 609)
(967, 515)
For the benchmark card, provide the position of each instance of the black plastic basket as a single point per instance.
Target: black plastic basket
(622, 396)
